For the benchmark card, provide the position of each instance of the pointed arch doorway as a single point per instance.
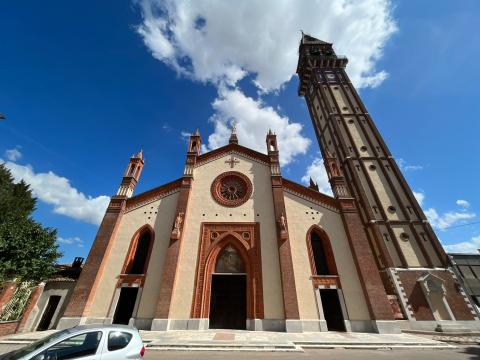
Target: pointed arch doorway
(228, 291)
(228, 286)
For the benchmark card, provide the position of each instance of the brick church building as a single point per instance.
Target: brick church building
(234, 244)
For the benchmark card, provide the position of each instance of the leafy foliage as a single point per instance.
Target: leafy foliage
(28, 251)
(16, 200)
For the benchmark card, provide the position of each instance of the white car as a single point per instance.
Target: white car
(88, 342)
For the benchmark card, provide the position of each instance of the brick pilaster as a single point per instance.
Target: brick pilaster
(373, 289)
(289, 289)
(173, 252)
(84, 292)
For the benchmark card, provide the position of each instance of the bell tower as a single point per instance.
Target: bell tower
(131, 175)
(398, 230)
(361, 167)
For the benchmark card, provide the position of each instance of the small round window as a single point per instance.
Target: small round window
(404, 236)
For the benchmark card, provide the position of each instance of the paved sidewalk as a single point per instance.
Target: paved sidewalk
(238, 340)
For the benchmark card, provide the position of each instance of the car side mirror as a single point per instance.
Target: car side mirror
(39, 357)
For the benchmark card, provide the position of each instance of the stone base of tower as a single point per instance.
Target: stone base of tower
(386, 327)
(446, 326)
(433, 300)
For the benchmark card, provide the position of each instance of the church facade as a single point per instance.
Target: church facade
(233, 244)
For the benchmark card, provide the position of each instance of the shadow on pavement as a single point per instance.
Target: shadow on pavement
(473, 351)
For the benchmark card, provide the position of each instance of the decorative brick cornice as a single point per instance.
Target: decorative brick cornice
(117, 204)
(325, 282)
(232, 148)
(131, 279)
(152, 195)
(310, 194)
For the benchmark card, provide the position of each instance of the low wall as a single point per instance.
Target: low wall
(8, 327)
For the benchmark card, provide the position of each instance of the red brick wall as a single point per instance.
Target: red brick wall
(6, 294)
(419, 303)
(414, 294)
(454, 298)
(8, 327)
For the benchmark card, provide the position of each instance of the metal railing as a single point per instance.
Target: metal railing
(13, 310)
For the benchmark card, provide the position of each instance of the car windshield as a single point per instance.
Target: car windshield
(17, 354)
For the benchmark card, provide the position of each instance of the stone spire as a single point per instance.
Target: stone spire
(313, 185)
(131, 175)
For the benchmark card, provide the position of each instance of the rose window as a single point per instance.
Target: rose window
(231, 189)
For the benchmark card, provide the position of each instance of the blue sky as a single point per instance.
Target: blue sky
(85, 85)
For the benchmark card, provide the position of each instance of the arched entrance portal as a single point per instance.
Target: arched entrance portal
(228, 286)
(228, 294)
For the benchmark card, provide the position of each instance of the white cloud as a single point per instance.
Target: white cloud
(13, 154)
(217, 41)
(413, 167)
(407, 167)
(71, 240)
(57, 191)
(463, 203)
(471, 246)
(185, 135)
(447, 219)
(316, 170)
(420, 196)
(221, 42)
(253, 120)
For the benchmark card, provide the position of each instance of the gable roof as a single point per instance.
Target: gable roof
(203, 158)
(153, 194)
(310, 194)
(161, 191)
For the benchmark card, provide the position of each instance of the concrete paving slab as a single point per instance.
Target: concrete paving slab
(241, 340)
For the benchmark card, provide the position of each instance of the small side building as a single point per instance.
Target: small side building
(54, 297)
(467, 269)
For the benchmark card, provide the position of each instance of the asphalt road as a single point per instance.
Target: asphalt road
(462, 353)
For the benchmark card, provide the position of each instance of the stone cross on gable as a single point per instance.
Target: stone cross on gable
(232, 162)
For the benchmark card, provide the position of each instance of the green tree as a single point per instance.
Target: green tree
(16, 200)
(28, 251)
